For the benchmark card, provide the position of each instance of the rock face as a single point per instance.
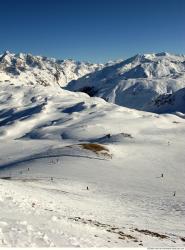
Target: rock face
(42, 70)
(137, 81)
(169, 103)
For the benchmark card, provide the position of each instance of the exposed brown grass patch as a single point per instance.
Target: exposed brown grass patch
(96, 148)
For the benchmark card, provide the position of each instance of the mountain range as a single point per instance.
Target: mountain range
(41, 70)
(140, 82)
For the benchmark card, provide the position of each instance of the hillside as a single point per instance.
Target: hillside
(77, 171)
(169, 103)
(135, 82)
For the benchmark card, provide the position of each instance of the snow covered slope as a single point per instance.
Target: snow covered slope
(80, 172)
(35, 70)
(135, 82)
(168, 103)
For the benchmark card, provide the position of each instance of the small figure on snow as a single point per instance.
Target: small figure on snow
(87, 188)
(174, 194)
(162, 175)
(33, 204)
(51, 178)
(28, 169)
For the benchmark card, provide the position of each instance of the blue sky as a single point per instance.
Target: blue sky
(93, 30)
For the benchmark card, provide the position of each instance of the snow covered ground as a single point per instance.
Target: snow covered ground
(55, 143)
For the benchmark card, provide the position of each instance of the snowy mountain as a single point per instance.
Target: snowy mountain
(35, 70)
(77, 171)
(135, 82)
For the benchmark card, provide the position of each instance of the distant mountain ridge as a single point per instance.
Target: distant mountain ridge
(145, 82)
(42, 70)
(137, 81)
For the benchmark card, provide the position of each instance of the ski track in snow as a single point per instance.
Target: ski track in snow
(46, 215)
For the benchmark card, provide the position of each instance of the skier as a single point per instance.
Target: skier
(87, 188)
(162, 175)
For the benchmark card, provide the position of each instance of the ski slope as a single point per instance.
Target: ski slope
(77, 171)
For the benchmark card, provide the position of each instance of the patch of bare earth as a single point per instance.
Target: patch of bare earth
(111, 229)
(153, 234)
(96, 148)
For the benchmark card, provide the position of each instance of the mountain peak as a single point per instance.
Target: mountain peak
(30, 69)
(7, 52)
(135, 81)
